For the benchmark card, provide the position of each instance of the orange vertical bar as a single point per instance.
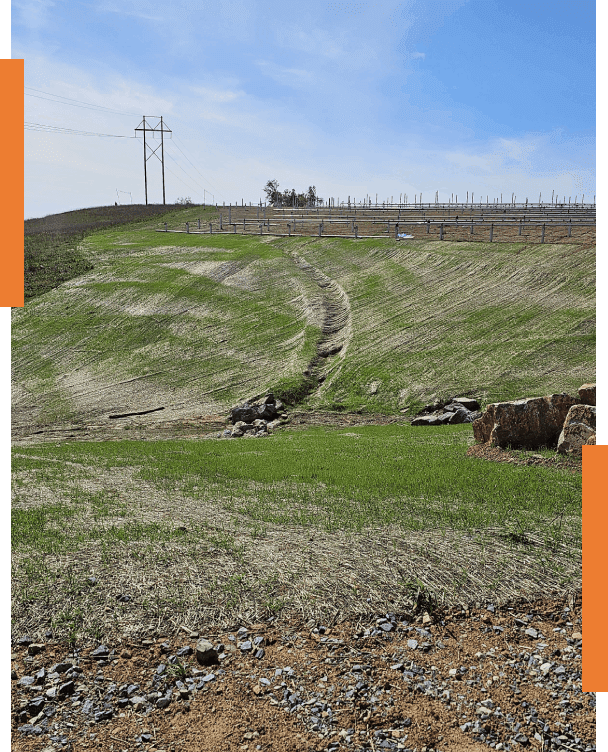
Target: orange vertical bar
(11, 184)
(595, 559)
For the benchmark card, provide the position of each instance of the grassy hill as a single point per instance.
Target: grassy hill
(194, 323)
(324, 521)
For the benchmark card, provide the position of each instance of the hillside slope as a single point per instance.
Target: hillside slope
(194, 323)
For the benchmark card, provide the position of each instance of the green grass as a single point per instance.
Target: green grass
(428, 320)
(209, 530)
(336, 479)
(52, 245)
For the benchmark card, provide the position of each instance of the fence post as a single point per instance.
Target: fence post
(491, 231)
(199, 224)
(428, 226)
(441, 232)
(261, 228)
(221, 225)
(210, 228)
(235, 226)
(187, 226)
(519, 232)
(542, 237)
(230, 215)
(356, 231)
(165, 227)
(397, 227)
(471, 227)
(570, 229)
(289, 230)
(320, 229)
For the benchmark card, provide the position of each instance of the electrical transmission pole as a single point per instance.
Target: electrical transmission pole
(158, 128)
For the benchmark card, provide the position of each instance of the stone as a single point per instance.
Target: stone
(34, 648)
(206, 654)
(426, 420)
(591, 440)
(100, 652)
(236, 433)
(587, 394)
(459, 415)
(578, 427)
(470, 404)
(268, 411)
(524, 424)
(240, 425)
(245, 413)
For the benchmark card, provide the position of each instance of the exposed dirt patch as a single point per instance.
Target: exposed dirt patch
(497, 454)
(344, 685)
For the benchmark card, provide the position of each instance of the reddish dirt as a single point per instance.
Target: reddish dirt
(234, 712)
(573, 463)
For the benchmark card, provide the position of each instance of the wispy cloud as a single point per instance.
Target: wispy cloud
(33, 14)
(121, 10)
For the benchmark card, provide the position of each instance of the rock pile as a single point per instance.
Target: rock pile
(455, 410)
(556, 420)
(255, 418)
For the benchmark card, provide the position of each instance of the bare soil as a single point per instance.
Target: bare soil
(488, 655)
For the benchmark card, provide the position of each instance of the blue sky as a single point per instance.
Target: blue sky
(486, 96)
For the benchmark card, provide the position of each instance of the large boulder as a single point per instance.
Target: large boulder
(524, 424)
(587, 394)
(245, 413)
(269, 409)
(578, 428)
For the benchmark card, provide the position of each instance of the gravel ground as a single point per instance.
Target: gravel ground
(505, 677)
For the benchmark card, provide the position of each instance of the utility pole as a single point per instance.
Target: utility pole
(158, 128)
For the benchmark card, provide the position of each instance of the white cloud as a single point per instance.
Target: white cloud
(33, 14)
(289, 76)
(121, 10)
(217, 95)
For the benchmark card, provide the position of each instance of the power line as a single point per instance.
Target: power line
(43, 128)
(204, 178)
(100, 108)
(84, 105)
(182, 181)
(185, 173)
